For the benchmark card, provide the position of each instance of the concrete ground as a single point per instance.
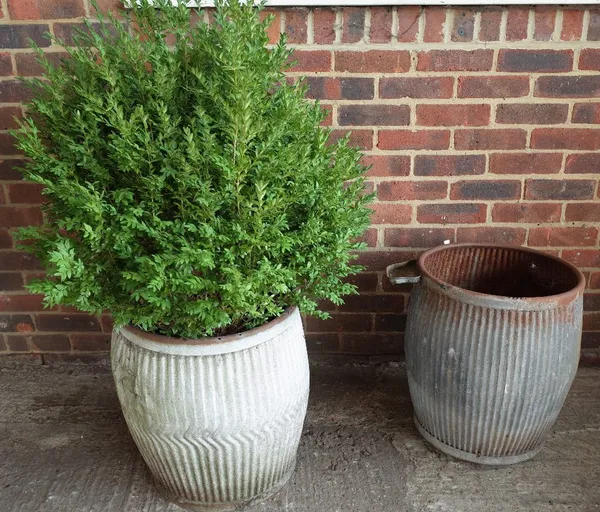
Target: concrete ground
(65, 448)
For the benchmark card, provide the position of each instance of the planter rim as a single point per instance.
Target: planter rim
(211, 345)
(501, 301)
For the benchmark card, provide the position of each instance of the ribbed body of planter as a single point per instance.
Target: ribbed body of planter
(492, 346)
(218, 420)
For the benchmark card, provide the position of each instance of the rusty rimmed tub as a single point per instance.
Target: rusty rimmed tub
(492, 346)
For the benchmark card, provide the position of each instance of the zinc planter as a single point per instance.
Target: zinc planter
(217, 420)
(492, 346)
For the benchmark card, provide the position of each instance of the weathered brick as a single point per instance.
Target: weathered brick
(449, 165)
(489, 29)
(594, 281)
(387, 165)
(371, 303)
(296, 25)
(435, 20)
(45, 9)
(375, 261)
(532, 113)
(18, 36)
(526, 212)
(14, 260)
(588, 258)
(17, 344)
(426, 87)
(412, 190)
(589, 59)
(328, 88)
(491, 235)
(353, 24)
(485, 189)
(25, 193)
(10, 281)
(480, 139)
(586, 113)
(9, 170)
(16, 323)
(107, 323)
(7, 118)
(311, 60)
(566, 138)
(464, 24)
(373, 61)
(362, 139)
(274, 29)
(452, 213)
(591, 302)
(14, 91)
(371, 344)
(583, 212)
(28, 65)
(453, 115)
(517, 22)
(386, 213)
(535, 61)
(390, 323)
(324, 26)
(407, 139)
(21, 302)
(341, 322)
(455, 60)
(8, 145)
(583, 163)
(324, 343)
(11, 216)
(544, 17)
(6, 241)
(380, 30)
(572, 25)
(369, 238)
(6, 67)
(408, 23)
(562, 237)
(594, 25)
(90, 342)
(569, 86)
(380, 115)
(525, 163)
(49, 342)
(71, 323)
(364, 282)
(559, 190)
(493, 86)
(417, 237)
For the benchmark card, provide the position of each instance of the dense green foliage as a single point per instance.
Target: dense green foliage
(191, 190)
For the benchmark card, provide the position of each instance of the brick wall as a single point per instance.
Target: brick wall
(481, 126)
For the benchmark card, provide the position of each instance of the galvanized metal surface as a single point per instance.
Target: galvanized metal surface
(492, 347)
(217, 428)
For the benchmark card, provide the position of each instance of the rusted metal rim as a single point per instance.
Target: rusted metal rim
(212, 345)
(501, 301)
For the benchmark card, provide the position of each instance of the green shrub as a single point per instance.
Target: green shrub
(191, 190)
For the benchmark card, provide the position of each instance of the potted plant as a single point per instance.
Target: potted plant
(193, 194)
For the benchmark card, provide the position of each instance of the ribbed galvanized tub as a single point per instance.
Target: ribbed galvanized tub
(217, 420)
(492, 345)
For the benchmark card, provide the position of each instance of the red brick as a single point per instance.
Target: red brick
(590, 59)
(594, 25)
(59, 323)
(14, 91)
(324, 343)
(485, 189)
(525, 163)
(369, 115)
(480, 139)
(8, 145)
(28, 65)
(435, 19)
(311, 60)
(390, 323)
(594, 281)
(378, 260)
(17, 344)
(362, 139)
(407, 139)
(586, 113)
(565, 138)
(526, 212)
(544, 22)
(532, 113)
(591, 302)
(349, 322)
(493, 86)
(364, 282)
(381, 25)
(18, 36)
(45, 9)
(453, 115)
(408, 22)
(568, 86)
(296, 25)
(584, 163)
(107, 323)
(455, 60)
(328, 88)
(13, 260)
(412, 190)
(371, 344)
(21, 303)
(452, 213)
(324, 26)
(583, 212)
(16, 323)
(9, 170)
(49, 342)
(572, 24)
(535, 61)
(372, 303)
(417, 237)
(25, 193)
(489, 29)
(7, 117)
(353, 24)
(562, 237)
(6, 67)
(516, 23)
(464, 24)
(11, 281)
(385, 213)
(11, 216)
(373, 61)
(425, 87)
(560, 190)
(274, 29)
(491, 235)
(90, 342)
(449, 165)
(369, 238)
(387, 165)
(5, 239)
(589, 258)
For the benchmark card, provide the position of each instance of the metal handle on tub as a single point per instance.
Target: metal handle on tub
(402, 273)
